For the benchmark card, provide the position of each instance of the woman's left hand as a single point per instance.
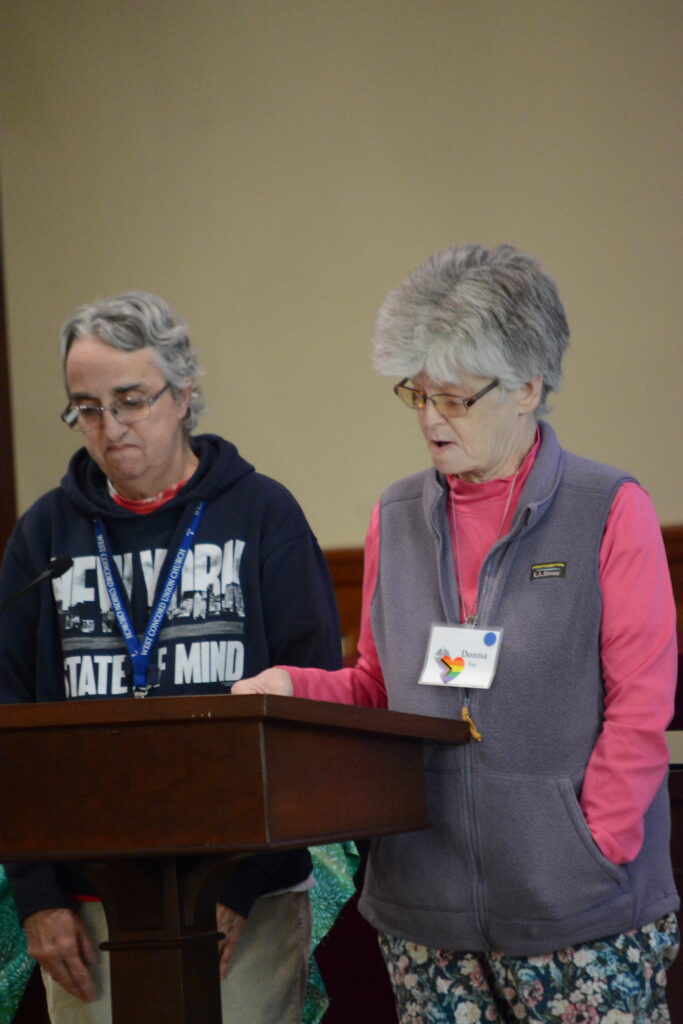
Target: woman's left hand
(232, 925)
(272, 680)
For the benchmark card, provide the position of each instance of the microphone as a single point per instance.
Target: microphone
(57, 567)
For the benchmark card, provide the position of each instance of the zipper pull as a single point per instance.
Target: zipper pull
(474, 732)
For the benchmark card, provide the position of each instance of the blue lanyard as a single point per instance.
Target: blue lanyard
(140, 653)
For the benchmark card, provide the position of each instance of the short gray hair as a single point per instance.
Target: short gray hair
(138, 320)
(477, 311)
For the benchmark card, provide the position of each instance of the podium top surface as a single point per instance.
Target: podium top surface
(223, 706)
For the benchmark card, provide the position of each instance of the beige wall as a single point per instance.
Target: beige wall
(273, 169)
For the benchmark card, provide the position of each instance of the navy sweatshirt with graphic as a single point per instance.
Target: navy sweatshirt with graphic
(254, 592)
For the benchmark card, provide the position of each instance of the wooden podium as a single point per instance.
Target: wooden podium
(153, 798)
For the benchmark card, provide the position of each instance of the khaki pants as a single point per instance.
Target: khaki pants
(266, 983)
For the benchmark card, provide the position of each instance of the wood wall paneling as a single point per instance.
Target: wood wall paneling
(7, 491)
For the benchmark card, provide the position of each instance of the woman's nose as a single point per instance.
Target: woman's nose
(429, 412)
(111, 426)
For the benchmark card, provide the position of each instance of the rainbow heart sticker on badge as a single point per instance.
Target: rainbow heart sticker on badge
(454, 667)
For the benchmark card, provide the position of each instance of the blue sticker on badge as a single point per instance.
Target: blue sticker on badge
(490, 639)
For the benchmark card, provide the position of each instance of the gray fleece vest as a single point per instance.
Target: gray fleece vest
(509, 863)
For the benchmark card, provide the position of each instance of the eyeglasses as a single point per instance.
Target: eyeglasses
(132, 407)
(448, 406)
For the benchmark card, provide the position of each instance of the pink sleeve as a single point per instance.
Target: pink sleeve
(639, 665)
(363, 683)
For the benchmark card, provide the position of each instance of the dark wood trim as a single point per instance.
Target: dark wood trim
(8, 507)
(346, 570)
(673, 542)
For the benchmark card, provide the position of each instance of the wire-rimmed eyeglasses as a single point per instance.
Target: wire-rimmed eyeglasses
(131, 407)
(449, 406)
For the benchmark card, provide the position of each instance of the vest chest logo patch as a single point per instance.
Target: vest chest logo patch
(548, 571)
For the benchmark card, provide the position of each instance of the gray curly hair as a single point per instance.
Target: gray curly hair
(476, 311)
(137, 320)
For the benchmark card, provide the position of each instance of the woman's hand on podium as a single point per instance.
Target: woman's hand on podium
(272, 680)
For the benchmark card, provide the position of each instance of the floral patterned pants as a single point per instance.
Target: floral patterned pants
(617, 980)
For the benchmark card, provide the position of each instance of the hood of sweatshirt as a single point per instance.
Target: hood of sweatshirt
(220, 468)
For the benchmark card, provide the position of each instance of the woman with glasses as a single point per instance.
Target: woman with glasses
(525, 590)
(189, 570)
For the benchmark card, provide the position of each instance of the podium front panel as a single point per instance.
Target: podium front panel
(103, 779)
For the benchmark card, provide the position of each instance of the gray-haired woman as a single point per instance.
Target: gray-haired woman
(174, 538)
(526, 590)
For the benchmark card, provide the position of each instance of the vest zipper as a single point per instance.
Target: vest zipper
(479, 901)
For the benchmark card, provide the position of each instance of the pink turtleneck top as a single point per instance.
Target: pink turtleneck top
(638, 646)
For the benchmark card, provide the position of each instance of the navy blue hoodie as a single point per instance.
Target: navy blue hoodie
(254, 592)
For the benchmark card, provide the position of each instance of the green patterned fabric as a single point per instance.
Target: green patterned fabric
(15, 963)
(333, 868)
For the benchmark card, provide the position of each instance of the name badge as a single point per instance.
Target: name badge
(461, 656)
